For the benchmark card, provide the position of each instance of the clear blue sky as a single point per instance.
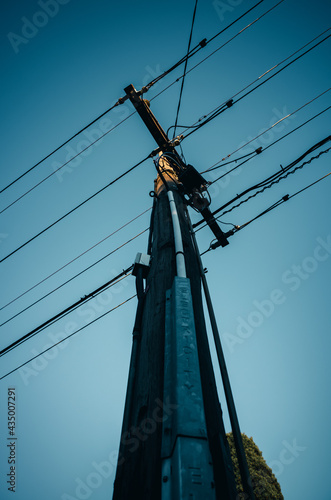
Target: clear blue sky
(62, 69)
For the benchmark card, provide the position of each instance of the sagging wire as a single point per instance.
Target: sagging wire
(282, 200)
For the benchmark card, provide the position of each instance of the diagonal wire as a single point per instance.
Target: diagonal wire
(64, 164)
(68, 336)
(74, 259)
(75, 208)
(65, 312)
(59, 147)
(185, 66)
(73, 277)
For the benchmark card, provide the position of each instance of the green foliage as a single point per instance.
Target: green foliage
(265, 484)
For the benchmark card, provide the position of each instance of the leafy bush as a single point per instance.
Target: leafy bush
(265, 484)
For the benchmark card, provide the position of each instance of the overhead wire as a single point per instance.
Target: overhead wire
(73, 260)
(119, 102)
(61, 146)
(203, 123)
(75, 208)
(271, 180)
(77, 257)
(185, 67)
(219, 48)
(63, 165)
(261, 149)
(184, 59)
(70, 279)
(229, 102)
(269, 209)
(66, 311)
(67, 337)
(198, 47)
(277, 180)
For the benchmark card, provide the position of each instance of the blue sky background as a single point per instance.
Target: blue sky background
(70, 70)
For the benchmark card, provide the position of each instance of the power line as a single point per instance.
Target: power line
(75, 208)
(185, 66)
(223, 45)
(120, 101)
(191, 53)
(66, 311)
(68, 336)
(279, 178)
(280, 202)
(271, 180)
(74, 259)
(261, 149)
(269, 209)
(277, 122)
(68, 281)
(196, 49)
(64, 164)
(59, 147)
(237, 34)
(230, 102)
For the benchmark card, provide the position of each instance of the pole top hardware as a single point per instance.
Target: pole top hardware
(142, 261)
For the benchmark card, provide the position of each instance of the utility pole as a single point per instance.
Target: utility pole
(173, 442)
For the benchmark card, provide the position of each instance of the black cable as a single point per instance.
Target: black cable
(70, 279)
(68, 336)
(223, 45)
(230, 102)
(185, 66)
(284, 67)
(75, 208)
(65, 312)
(267, 210)
(59, 147)
(75, 258)
(271, 180)
(262, 149)
(64, 164)
(276, 181)
(210, 169)
(280, 202)
(197, 48)
(120, 101)
(203, 60)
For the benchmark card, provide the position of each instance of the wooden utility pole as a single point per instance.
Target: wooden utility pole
(173, 444)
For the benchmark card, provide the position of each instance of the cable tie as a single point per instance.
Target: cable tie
(286, 197)
(203, 43)
(258, 150)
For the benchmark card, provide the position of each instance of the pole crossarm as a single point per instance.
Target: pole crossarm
(191, 181)
(144, 111)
